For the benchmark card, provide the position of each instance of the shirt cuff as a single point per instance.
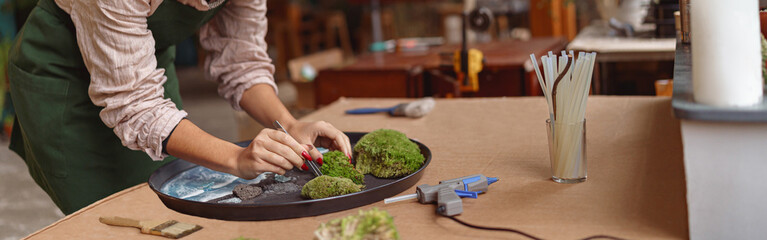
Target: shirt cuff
(166, 124)
(165, 142)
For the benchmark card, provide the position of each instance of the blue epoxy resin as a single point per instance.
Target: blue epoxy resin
(202, 184)
(323, 150)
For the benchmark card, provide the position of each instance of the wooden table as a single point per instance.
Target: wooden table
(393, 75)
(409, 74)
(635, 189)
(641, 60)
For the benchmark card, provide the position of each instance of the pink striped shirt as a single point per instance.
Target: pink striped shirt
(118, 51)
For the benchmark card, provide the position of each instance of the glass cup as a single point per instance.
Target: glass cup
(567, 151)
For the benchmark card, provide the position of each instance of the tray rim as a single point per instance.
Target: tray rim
(165, 197)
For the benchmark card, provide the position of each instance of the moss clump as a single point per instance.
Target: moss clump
(387, 153)
(327, 186)
(371, 224)
(336, 164)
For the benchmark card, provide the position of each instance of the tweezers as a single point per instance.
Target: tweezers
(311, 164)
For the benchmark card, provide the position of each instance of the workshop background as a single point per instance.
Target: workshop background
(404, 47)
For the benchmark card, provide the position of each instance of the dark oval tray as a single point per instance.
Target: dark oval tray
(377, 190)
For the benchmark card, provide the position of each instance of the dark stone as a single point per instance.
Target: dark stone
(246, 191)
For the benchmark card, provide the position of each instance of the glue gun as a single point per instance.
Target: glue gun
(448, 193)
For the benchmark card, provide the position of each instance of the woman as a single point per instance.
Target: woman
(97, 96)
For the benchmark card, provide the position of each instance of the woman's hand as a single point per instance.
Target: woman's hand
(320, 134)
(270, 151)
(261, 102)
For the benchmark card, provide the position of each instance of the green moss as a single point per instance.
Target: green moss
(327, 186)
(336, 164)
(371, 224)
(244, 238)
(387, 153)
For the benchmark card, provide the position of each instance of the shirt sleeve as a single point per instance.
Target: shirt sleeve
(118, 51)
(234, 41)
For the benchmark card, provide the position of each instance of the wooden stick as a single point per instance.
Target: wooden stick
(169, 228)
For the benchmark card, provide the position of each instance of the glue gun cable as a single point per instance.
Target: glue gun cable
(493, 228)
(520, 232)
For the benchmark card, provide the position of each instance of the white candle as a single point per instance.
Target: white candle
(726, 52)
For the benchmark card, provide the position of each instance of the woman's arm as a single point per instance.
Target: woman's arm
(118, 51)
(271, 151)
(262, 104)
(236, 51)
(237, 59)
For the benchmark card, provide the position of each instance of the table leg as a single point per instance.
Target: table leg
(596, 84)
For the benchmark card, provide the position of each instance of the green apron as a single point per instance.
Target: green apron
(70, 153)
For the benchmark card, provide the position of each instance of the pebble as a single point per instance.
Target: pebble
(247, 192)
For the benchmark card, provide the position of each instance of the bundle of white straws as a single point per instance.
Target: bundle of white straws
(566, 81)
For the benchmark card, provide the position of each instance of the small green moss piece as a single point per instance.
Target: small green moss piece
(370, 224)
(336, 164)
(387, 153)
(326, 186)
(244, 238)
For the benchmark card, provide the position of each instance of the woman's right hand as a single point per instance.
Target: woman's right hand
(270, 151)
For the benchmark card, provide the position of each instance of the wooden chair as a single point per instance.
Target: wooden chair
(337, 31)
(295, 31)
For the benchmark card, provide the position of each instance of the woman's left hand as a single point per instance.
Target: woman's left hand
(321, 134)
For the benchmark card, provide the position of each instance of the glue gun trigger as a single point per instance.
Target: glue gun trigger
(468, 194)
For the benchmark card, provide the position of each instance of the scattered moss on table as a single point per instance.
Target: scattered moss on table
(371, 224)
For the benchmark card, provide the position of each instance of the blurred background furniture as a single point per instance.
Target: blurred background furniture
(663, 17)
(507, 15)
(626, 66)
(664, 88)
(507, 69)
(373, 75)
(305, 87)
(296, 30)
(553, 18)
(427, 73)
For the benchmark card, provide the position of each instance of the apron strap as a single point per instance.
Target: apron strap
(51, 7)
